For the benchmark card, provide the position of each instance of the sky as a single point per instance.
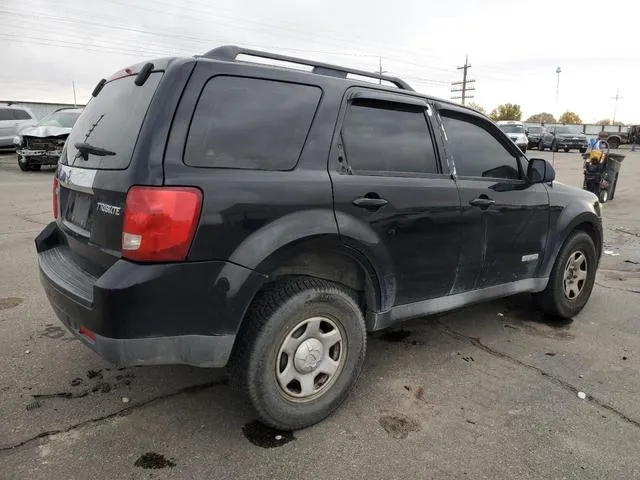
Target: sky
(514, 47)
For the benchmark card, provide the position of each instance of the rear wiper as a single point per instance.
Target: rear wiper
(84, 149)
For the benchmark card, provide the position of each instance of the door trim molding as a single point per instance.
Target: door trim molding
(399, 313)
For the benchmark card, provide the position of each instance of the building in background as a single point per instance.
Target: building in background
(40, 109)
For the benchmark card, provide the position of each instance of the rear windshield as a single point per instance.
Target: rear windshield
(535, 129)
(112, 121)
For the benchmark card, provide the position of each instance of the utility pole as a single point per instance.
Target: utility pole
(380, 72)
(615, 105)
(73, 84)
(464, 84)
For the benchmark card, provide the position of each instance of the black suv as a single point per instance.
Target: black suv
(211, 210)
(563, 137)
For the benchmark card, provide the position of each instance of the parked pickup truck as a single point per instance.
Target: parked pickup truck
(615, 139)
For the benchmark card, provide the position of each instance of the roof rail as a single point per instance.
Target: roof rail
(230, 53)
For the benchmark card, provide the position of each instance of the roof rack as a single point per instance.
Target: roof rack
(230, 53)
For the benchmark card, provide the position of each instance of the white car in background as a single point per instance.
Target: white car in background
(12, 119)
(516, 132)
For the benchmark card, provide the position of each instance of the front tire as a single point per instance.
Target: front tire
(300, 351)
(583, 150)
(541, 146)
(23, 164)
(572, 278)
(567, 150)
(603, 196)
(554, 147)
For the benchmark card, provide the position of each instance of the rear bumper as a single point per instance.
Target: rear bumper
(197, 350)
(183, 313)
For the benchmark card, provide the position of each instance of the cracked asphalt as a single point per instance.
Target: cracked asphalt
(486, 392)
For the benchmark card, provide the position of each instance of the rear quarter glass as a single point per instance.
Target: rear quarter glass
(250, 123)
(112, 121)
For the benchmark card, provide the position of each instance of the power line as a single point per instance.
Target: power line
(160, 50)
(463, 84)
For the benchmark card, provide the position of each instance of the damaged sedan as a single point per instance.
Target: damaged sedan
(42, 144)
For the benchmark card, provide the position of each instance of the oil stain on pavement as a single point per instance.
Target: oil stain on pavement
(10, 302)
(151, 460)
(266, 437)
(398, 425)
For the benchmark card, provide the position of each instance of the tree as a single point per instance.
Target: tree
(606, 121)
(506, 111)
(570, 117)
(542, 117)
(477, 107)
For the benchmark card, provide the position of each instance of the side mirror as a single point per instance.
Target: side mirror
(540, 171)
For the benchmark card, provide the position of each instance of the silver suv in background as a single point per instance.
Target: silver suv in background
(12, 120)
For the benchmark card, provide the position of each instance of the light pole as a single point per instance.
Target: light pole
(73, 85)
(558, 72)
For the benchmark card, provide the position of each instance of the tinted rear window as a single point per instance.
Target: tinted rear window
(250, 123)
(21, 115)
(112, 121)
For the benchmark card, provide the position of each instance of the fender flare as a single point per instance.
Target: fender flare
(296, 232)
(573, 216)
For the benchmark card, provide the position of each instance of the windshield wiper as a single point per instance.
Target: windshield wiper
(85, 149)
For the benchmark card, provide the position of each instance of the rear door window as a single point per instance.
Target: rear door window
(21, 115)
(388, 137)
(250, 123)
(6, 114)
(112, 121)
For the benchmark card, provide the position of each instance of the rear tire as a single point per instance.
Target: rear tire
(541, 146)
(614, 143)
(285, 347)
(567, 150)
(583, 150)
(572, 278)
(554, 147)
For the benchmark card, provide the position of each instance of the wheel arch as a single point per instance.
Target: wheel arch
(587, 222)
(309, 245)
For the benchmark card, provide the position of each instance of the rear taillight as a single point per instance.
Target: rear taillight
(56, 196)
(160, 222)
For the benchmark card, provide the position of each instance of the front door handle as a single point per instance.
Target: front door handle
(370, 202)
(482, 202)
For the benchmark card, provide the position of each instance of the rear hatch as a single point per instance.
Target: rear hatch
(97, 167)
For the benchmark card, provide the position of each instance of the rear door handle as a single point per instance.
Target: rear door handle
(366, 202)
(482, 202)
